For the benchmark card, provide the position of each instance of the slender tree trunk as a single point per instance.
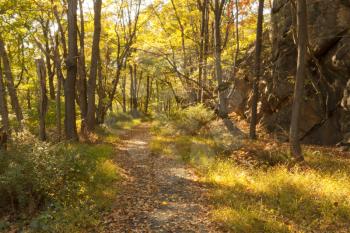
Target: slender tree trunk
(134, 91)
(59, 75)
(258, 46)
(158, 96)
(28, 96)
(10, 83)
(237, 38)
(82, 83)
(71, 63)
(131, 88)
(95, 53)
(41, 73)
(205, 55)
(302, 33)
(29, 103)
(138, 86)
(3, 104)
(222, 108)
(234, 68)
(58, 109)
(148, 92)
(101, 95)
(114, 88)
(203, 9)
(50, 72)
(61, 30)
(124, 93)
(217, 57)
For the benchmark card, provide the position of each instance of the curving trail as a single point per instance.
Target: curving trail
(158, 194)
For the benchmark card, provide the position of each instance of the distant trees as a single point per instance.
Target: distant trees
(178, 45)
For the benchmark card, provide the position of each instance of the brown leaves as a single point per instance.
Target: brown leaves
(158, 194)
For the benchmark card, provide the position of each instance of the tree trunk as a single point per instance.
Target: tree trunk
(71, 64)
(29, 103)
(3, 104)
(59, 75)
(101, 95)
(134, 92)
(258, 46)
(222, 108)
(50, 72)
(302, 33)
(95, 53)
(61, 30)
(217, 57)
(205, 55)
(158, 96)
(10, 83)
(82, 84)
(58, 108)
(138, 86)
(124, 93)
(148, 92)
(203, 8)
(131, 88)
(234, 68)
(40, 69)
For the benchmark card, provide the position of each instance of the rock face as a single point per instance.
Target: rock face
(325, 116)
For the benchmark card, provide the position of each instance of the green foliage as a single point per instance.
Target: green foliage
(121, 120)
(190, 120)
(32, 119)
(114, 118)
(68, 183)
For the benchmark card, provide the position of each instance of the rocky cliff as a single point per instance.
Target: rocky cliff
(325, 116)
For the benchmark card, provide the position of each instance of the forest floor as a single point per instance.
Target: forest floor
(158, 193)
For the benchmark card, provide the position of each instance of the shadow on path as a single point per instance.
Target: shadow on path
(158, 194)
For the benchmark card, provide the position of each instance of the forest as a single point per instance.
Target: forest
(175, 116)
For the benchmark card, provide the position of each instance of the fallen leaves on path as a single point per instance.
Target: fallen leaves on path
(158, 194)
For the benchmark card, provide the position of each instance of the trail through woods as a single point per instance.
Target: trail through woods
(157, 194)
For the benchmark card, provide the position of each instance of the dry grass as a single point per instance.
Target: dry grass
(256, 189)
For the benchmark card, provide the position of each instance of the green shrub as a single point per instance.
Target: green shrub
(193, 118)
(113, 118)
(49, 181)
(32, 116)
(121, 120)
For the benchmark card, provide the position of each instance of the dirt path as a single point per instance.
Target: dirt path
(158, 194)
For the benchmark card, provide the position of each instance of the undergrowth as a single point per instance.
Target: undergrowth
(254, 188)
(48, 187)
(120, 120)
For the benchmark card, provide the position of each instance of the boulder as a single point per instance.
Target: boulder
(238, 100)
